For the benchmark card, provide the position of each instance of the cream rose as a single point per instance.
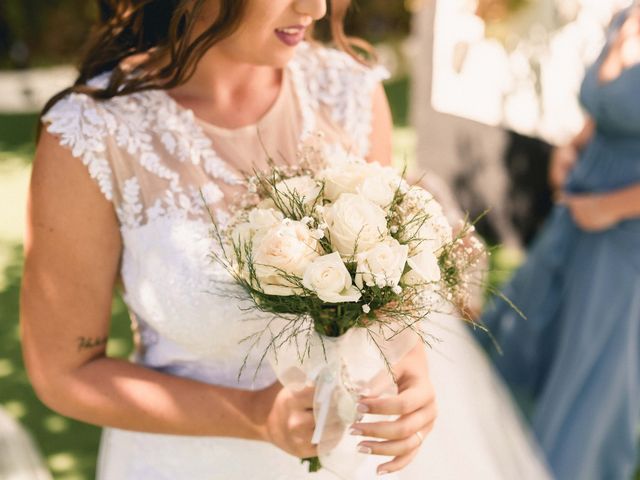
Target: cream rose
(342, 177)
(425, 266)
(262, 220)
(259, 221)
(355, 224)
(382, 265)
(427, 227)
(379, 185)
(329, 278)
(266, 204)
(304, 188)
(242, 234)
(285, 249)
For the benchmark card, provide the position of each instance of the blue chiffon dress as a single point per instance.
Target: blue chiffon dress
(576, 358)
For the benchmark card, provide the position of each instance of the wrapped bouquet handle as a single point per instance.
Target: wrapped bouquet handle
(342, 370)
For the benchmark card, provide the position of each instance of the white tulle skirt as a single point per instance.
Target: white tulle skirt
(19, 457)
(478, 435)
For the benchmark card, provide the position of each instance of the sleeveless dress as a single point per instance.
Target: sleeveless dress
(151, 157)
(577, 356)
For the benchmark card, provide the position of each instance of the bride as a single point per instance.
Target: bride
(174, 98)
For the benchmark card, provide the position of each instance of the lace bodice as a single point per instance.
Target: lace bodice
(151, 158)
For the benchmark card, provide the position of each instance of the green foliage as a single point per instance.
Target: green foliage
(17, 135)
(398, 94)
(52, 30)
(314, 464)
(378, 20)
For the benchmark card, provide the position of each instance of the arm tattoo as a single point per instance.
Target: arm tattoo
(86, 343)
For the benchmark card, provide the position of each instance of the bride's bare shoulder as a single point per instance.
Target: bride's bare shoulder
(62, 194)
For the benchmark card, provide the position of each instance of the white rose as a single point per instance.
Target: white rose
(254, 228)
(303, 188)
(261, 220)
(266, 204)
(342, 177)
(355, 224)
(329, 278)
(242, 234)
(287, 248)
(382, 265)
(426, 226)
(425, 266)
(379, 185)
(375, 182)
(434, 234)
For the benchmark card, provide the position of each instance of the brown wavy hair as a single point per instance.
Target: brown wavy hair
(158, 30)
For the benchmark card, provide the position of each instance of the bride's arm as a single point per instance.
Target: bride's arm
(73, 249)
(380, 140)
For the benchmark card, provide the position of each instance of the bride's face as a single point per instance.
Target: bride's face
(270, 30)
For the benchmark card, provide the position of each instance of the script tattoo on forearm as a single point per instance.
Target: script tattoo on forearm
(87, 343)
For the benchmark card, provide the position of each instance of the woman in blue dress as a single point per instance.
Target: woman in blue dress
(576, 358)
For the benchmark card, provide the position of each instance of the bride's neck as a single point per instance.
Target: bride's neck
(227, 93)
(221, 80)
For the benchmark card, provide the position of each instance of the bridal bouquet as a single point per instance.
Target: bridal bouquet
(349, 260)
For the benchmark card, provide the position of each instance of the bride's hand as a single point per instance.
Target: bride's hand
(415, 404)
(287, 419)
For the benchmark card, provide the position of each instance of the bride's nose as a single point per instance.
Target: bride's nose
(316, 9)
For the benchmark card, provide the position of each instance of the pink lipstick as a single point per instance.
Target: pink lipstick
(291, 36)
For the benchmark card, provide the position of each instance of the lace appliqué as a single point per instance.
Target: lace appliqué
(183, 138)
(82, 129)
(139, 124)
(334, 79)
(131, 207)
(149, 126)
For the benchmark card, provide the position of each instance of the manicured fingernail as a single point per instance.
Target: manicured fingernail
(355, 431)
(363, 449)
(382, 472)
(362, 408)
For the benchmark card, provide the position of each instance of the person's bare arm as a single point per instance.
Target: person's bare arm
(72, 253)
(380, 140)
(564, 158)
(600, 211)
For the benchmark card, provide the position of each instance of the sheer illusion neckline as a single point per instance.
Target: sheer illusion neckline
(250, 129)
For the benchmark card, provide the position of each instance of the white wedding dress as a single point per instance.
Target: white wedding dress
(150, 158)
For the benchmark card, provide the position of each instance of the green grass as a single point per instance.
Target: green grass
(17, 134)
(398, 94)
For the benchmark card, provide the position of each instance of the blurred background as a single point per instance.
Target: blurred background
(489, 85)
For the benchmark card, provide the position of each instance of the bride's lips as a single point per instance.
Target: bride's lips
(292, 35)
